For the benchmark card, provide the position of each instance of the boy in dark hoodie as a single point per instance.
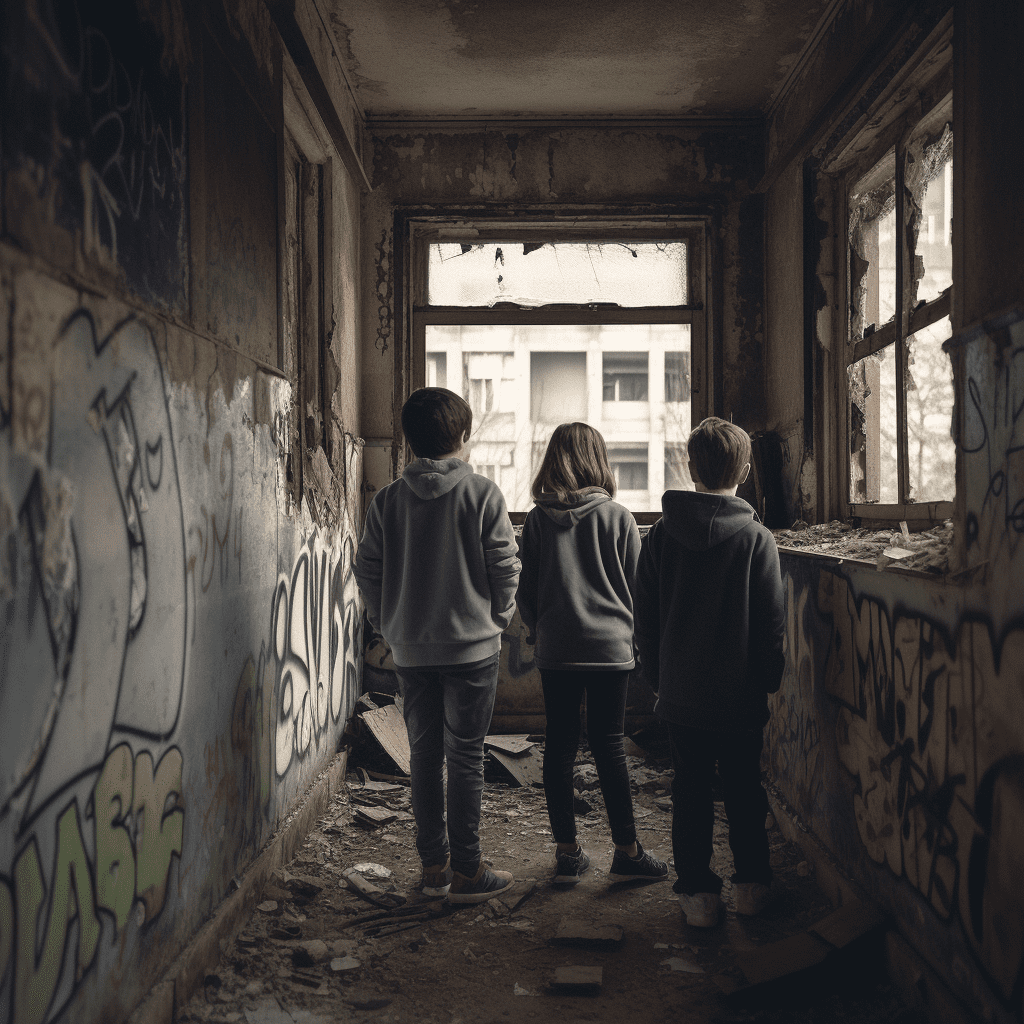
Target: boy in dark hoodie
(710, 622)
(438, 569)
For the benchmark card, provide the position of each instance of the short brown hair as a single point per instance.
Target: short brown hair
(576, 458)
(718, 450)
(436, 421)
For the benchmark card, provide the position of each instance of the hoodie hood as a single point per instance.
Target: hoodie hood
(580, 504)
(430, 478)
(699, 520)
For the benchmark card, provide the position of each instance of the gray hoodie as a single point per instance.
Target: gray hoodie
(576, 589)
(711, 614)
(437, 565)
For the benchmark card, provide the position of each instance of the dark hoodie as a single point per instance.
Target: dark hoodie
(710, 617)
(576, 588)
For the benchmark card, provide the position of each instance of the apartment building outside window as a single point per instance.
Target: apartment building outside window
(606, 329)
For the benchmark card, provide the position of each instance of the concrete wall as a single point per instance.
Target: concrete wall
(897, 738)
(181, 631)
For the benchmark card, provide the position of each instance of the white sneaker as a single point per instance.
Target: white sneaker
(751, 897)
(701, 909)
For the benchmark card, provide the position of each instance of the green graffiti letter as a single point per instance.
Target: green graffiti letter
(162, 826)
(115, 861)
(35, 983)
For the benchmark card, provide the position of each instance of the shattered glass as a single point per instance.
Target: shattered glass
(628, 274)
(930, 448)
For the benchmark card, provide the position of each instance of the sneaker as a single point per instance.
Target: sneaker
(701, 910)
(437, 879)
(569, 866)
(483, 886)
(751, 897)
(625, 868)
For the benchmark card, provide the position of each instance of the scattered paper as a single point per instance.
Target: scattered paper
(519, 990)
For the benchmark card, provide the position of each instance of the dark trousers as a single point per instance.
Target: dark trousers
(695, 753)
(447, 711)
(606, 710)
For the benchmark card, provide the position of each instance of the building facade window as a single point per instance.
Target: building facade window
(605, 324)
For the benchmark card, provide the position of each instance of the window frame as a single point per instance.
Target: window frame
(307, 157)
(418, 231)
(919, 99)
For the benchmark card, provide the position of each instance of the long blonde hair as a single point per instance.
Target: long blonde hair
(576, 458)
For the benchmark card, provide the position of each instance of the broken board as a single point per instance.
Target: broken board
(388, 728)
(583, 935)
(579, 980)
(517, 744)
(525, 768)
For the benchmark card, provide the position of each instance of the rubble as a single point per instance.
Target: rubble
(927, 551)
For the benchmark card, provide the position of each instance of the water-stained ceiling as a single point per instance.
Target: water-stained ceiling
(501, 59)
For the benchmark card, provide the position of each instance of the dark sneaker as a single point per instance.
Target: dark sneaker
(437, 879)
(569, 866)
(483, 886)
(625, 868)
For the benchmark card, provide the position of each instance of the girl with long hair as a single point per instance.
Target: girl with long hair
(579, 551)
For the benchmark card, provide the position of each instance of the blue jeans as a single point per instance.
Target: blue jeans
(447, 712)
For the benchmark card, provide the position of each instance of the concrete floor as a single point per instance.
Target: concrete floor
(314, 951)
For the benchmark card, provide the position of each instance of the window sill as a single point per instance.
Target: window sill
(913, 514)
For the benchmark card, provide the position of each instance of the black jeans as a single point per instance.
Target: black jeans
(606, 710)
(738, 755)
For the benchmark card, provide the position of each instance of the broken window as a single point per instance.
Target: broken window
(549, 331)
(900, 274)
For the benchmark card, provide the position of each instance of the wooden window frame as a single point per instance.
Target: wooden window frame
(918, 98)
(419, 232)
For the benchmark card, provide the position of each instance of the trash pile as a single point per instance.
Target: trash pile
(927, 551)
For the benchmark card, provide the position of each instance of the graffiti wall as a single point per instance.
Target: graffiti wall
(179, 654)
(898, 734)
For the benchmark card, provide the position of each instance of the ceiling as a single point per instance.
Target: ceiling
(431, 60)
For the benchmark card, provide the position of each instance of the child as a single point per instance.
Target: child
(710, 626)
(579, 550)
(437, 567)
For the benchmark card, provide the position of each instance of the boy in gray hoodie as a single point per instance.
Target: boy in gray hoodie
(438, 569)
(710, 622)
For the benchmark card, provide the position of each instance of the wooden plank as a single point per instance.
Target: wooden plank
(517, 744)
(581, 980)
(584, 935)
(526, 768)
(388, 728)
(849, 922)
(778, 959)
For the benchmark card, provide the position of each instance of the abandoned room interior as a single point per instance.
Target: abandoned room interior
(237, 234)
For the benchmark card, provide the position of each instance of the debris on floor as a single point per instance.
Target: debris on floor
(928, 550)
(317, 949)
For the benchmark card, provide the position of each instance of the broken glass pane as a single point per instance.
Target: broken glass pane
(872, 385)
(930, 182)
(521, 381)
(931, 452)
(535, 274)
(873, 249)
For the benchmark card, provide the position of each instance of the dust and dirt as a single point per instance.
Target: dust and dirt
(926, 550)
(316, 950)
